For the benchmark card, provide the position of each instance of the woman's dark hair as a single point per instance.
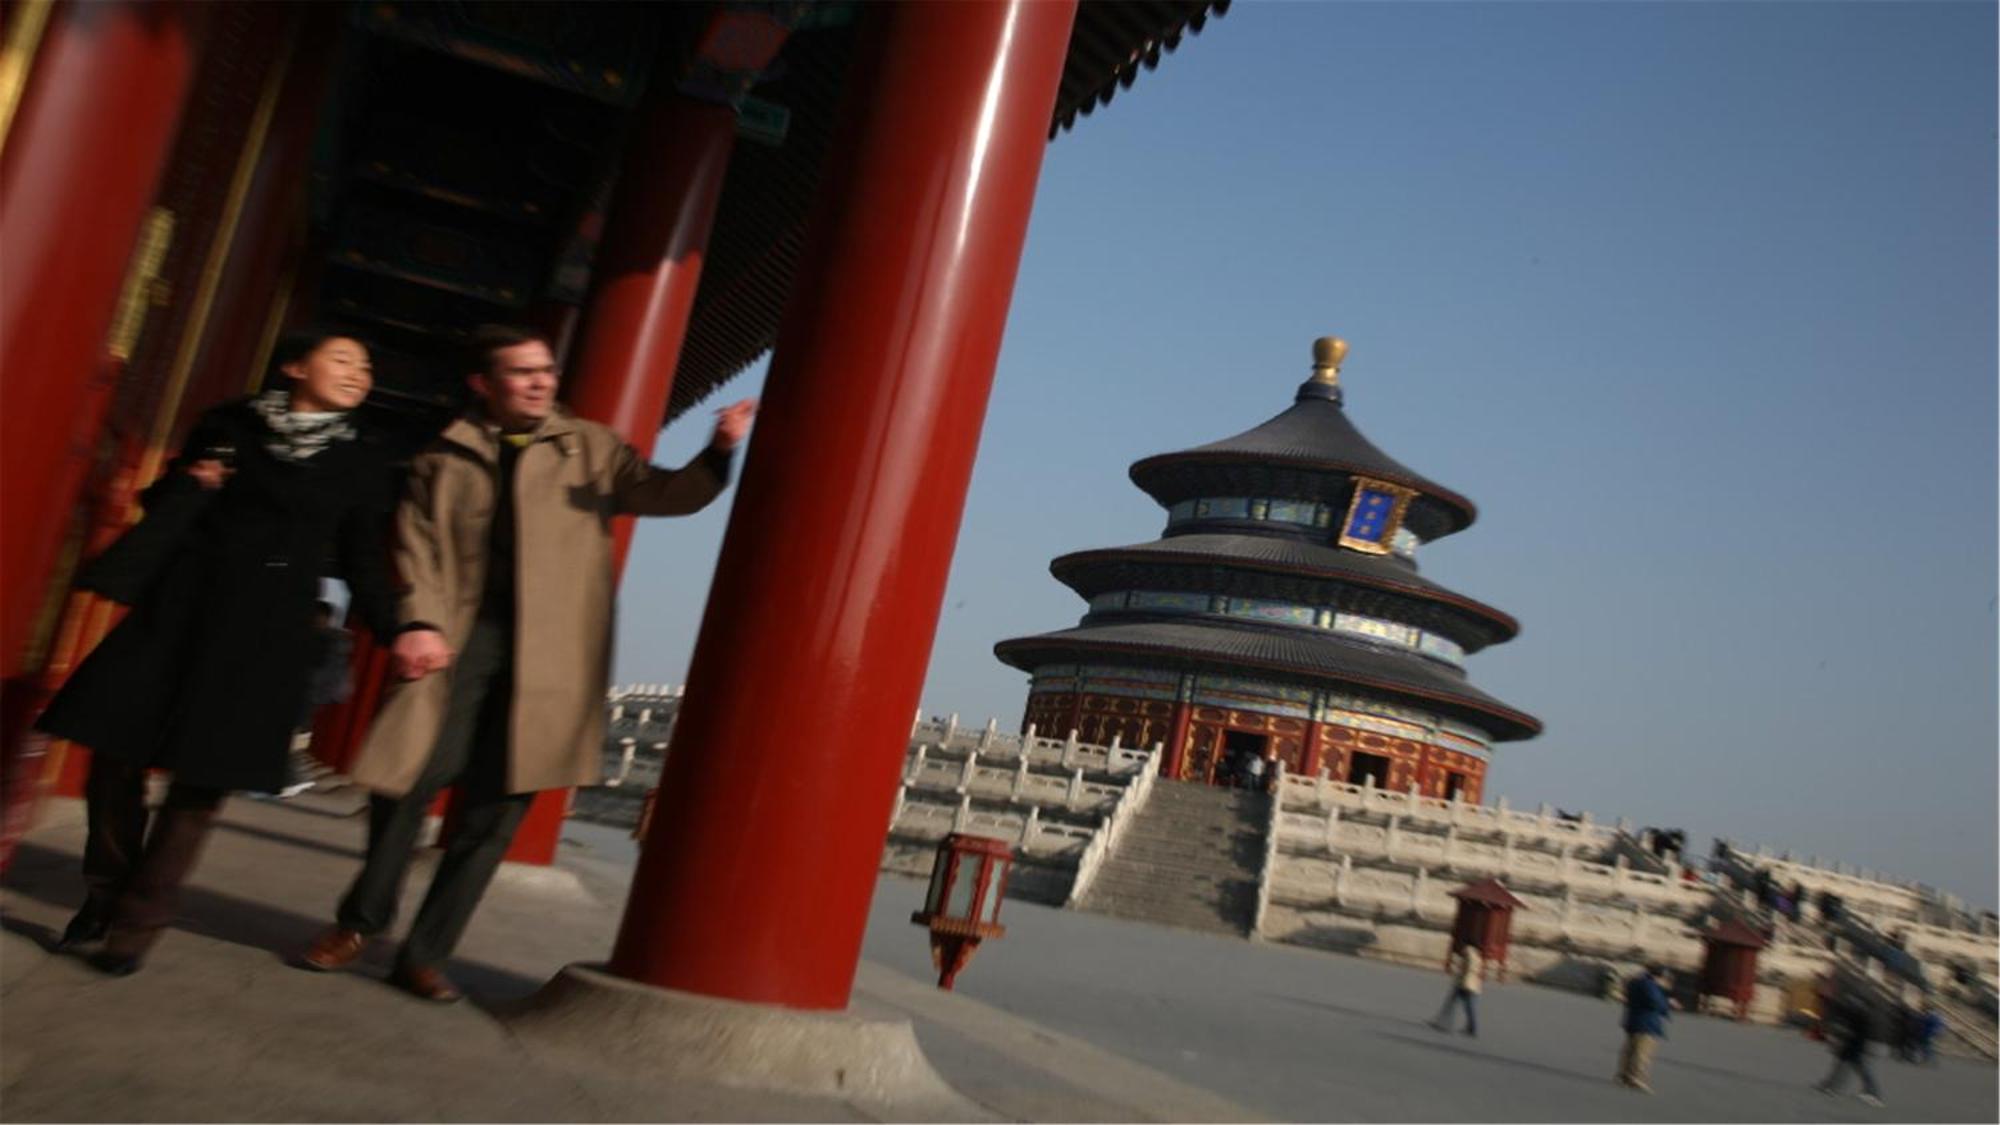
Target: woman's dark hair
(489, 338)
(299, 343)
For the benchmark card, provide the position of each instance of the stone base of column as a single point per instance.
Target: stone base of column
(665, 1033)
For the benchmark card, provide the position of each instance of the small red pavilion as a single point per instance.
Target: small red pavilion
(1729, 962)
(1485, 921)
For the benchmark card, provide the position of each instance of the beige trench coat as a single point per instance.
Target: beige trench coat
(568, 484)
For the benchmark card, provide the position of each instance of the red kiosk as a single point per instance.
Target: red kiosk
(1729, 963)
(1485, 915)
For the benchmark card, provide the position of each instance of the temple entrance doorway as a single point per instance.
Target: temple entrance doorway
(1454, 784)
(1364, 768)
(1240, 748)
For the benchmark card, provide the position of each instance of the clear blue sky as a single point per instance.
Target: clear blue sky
(1696, 301)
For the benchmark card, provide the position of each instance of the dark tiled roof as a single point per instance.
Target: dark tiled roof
(760, 222)
(1296, 653)
(1315, 433)
(1292, 555)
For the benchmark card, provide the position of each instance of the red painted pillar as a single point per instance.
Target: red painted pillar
(82, 160)
(1177, 738)
(648, 267)
(755, 878)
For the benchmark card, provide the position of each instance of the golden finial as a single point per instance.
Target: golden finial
(1328, 353)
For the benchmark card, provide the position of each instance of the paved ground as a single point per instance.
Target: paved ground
(1070, 1017)
(1301, 1035)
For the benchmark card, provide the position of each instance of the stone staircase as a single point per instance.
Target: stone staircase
(1189, 859)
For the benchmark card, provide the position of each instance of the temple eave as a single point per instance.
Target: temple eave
(1503, 723)
(1076, 569)
(1151, 473)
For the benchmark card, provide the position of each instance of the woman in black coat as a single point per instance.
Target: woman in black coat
(206, 676)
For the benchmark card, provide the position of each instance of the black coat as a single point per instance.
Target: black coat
(208, 673)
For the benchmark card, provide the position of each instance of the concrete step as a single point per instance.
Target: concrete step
(1189, 859)
(1160, 873)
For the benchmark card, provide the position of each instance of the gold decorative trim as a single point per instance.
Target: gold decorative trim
(274, 320)
(17, 56)
(142, 282)
(218, 258)
(1393, 523)
(1329, 352)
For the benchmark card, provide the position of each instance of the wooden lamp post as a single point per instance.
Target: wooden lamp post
(1485, 917)
(962, 905)
(1729, 962)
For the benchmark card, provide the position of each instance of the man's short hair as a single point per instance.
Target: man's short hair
(1655, 969)
(489, 338)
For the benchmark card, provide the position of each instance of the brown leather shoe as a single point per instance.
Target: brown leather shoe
(335, 948)
(425, 982)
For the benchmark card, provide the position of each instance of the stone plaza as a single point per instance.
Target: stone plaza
(1071, 1016)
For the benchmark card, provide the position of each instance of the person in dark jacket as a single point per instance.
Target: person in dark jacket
(1646, 1015)
(1853, 1022)
(207, 675)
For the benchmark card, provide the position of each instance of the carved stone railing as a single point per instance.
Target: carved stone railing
(1106, 840)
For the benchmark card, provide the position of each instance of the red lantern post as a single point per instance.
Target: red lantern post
(1729, 963)
(962, 906)
(1484, 921)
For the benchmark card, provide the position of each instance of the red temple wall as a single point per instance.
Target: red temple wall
(1303, 746)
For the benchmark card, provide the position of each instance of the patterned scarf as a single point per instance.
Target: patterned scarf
(294, 437)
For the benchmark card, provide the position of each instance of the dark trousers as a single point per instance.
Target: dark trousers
(1461, 996)
(132, 876)
(1853, 1055)
(471, 752)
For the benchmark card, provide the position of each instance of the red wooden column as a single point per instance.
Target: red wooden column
(82, 160)
(649, 265)
(755, 877)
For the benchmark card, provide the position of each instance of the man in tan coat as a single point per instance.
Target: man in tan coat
(504, 543)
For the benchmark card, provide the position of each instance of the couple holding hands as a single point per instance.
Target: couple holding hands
(499, 627)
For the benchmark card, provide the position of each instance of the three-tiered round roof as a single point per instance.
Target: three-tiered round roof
(1281, 614)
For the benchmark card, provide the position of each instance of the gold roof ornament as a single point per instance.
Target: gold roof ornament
(1328, 354)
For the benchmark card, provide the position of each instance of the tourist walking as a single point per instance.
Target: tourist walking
(1253, 771)
(330, 681)
(505, 543)
(1467, 970)
(1852, 1022)
(205, 678)
(1646, 1016)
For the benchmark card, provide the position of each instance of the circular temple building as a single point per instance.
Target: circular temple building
(1281, 616)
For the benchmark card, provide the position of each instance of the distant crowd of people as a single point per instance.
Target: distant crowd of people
(1850, 1019)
